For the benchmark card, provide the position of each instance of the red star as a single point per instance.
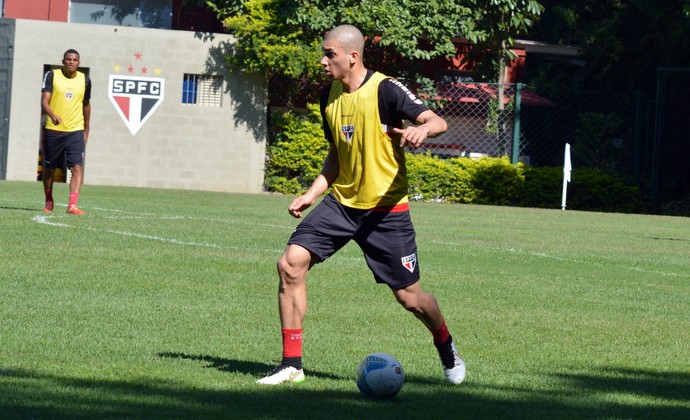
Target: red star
(130, 69)
(144, 70)
(137, 56)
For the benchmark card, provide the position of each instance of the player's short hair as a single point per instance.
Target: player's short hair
(71, 51)
(349, 36)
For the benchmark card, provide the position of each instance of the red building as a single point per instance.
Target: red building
(190, 15)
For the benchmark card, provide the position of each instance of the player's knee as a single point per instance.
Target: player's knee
(409, 301)
(291, 268)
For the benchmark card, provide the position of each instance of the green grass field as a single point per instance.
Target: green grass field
(162, 304)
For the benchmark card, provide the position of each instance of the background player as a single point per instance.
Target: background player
(65, 97)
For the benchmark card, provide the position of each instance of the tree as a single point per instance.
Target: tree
(621, 42)
(282, 38)
(498, 23)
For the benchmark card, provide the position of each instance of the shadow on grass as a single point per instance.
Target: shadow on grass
(33, 210)
(240, 366)
(257, 369)
(28, 394)
(668, 239)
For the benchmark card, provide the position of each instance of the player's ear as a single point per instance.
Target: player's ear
(353, 57)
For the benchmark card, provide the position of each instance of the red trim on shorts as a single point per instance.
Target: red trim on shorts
(398, 208)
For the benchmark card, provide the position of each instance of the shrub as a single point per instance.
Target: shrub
(543, 187)
(495, 181)
(677, 207)
(296, 151)
(434, 179)
(594, 190)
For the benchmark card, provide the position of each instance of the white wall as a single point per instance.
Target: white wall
(180, 146)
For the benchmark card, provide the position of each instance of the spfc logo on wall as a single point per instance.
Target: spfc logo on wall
(135, 98)
(348, 131)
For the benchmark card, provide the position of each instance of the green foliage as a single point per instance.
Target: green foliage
(593, 141)
(543, 187)
(282, 39)
(610, 35)
(677, 207)
(296, 152)
(496, 181)
(590, 189)
(497, 23)
(268, 43)
(434, 179)
(594, 190)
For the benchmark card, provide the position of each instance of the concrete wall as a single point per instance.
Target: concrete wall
(179, 146)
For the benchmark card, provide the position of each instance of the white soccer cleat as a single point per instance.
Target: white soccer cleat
(453, 365)
(282, 374)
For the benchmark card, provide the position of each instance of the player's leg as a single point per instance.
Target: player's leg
(47, 176)
(293, 267)
(325, 230)
(422, 304)
(52, 151)
(75, 161)
(425, 307)
(390, 249)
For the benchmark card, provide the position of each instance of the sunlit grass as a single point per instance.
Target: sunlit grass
(161, 303)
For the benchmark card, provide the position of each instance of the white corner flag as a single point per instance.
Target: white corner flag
(567, 167)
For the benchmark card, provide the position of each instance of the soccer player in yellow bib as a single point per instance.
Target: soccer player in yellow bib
(65, 100)
(363, 113)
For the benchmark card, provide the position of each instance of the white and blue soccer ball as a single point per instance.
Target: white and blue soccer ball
(379, 375)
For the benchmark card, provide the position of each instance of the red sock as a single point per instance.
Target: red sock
(73, 198)
(441, 334)
(292, 342)
(49, 194)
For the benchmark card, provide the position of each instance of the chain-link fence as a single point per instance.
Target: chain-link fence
(601, 126)
(477, 125)
(620, 132)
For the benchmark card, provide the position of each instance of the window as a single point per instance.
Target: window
(139, 13)
(202, 90)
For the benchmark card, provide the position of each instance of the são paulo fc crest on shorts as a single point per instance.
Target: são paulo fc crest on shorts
(348, 131)
(409, 262)
(135, 98)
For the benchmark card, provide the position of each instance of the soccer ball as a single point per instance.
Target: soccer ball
(379, 375)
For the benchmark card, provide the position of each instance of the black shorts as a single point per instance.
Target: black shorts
(59, 145)
(386, 238)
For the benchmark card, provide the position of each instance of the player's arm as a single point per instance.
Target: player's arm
(45, 106)
(427, 124)
(86, 109)
(46, 95)
(398, 103)
(328, 175)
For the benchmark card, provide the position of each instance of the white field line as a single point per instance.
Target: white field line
(560, 258)
(48, 220)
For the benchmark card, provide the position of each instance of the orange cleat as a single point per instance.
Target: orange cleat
(73, 209)
(49, 207)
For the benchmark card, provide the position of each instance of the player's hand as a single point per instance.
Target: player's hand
(411, 136)
(56, 120)
(298, 205)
